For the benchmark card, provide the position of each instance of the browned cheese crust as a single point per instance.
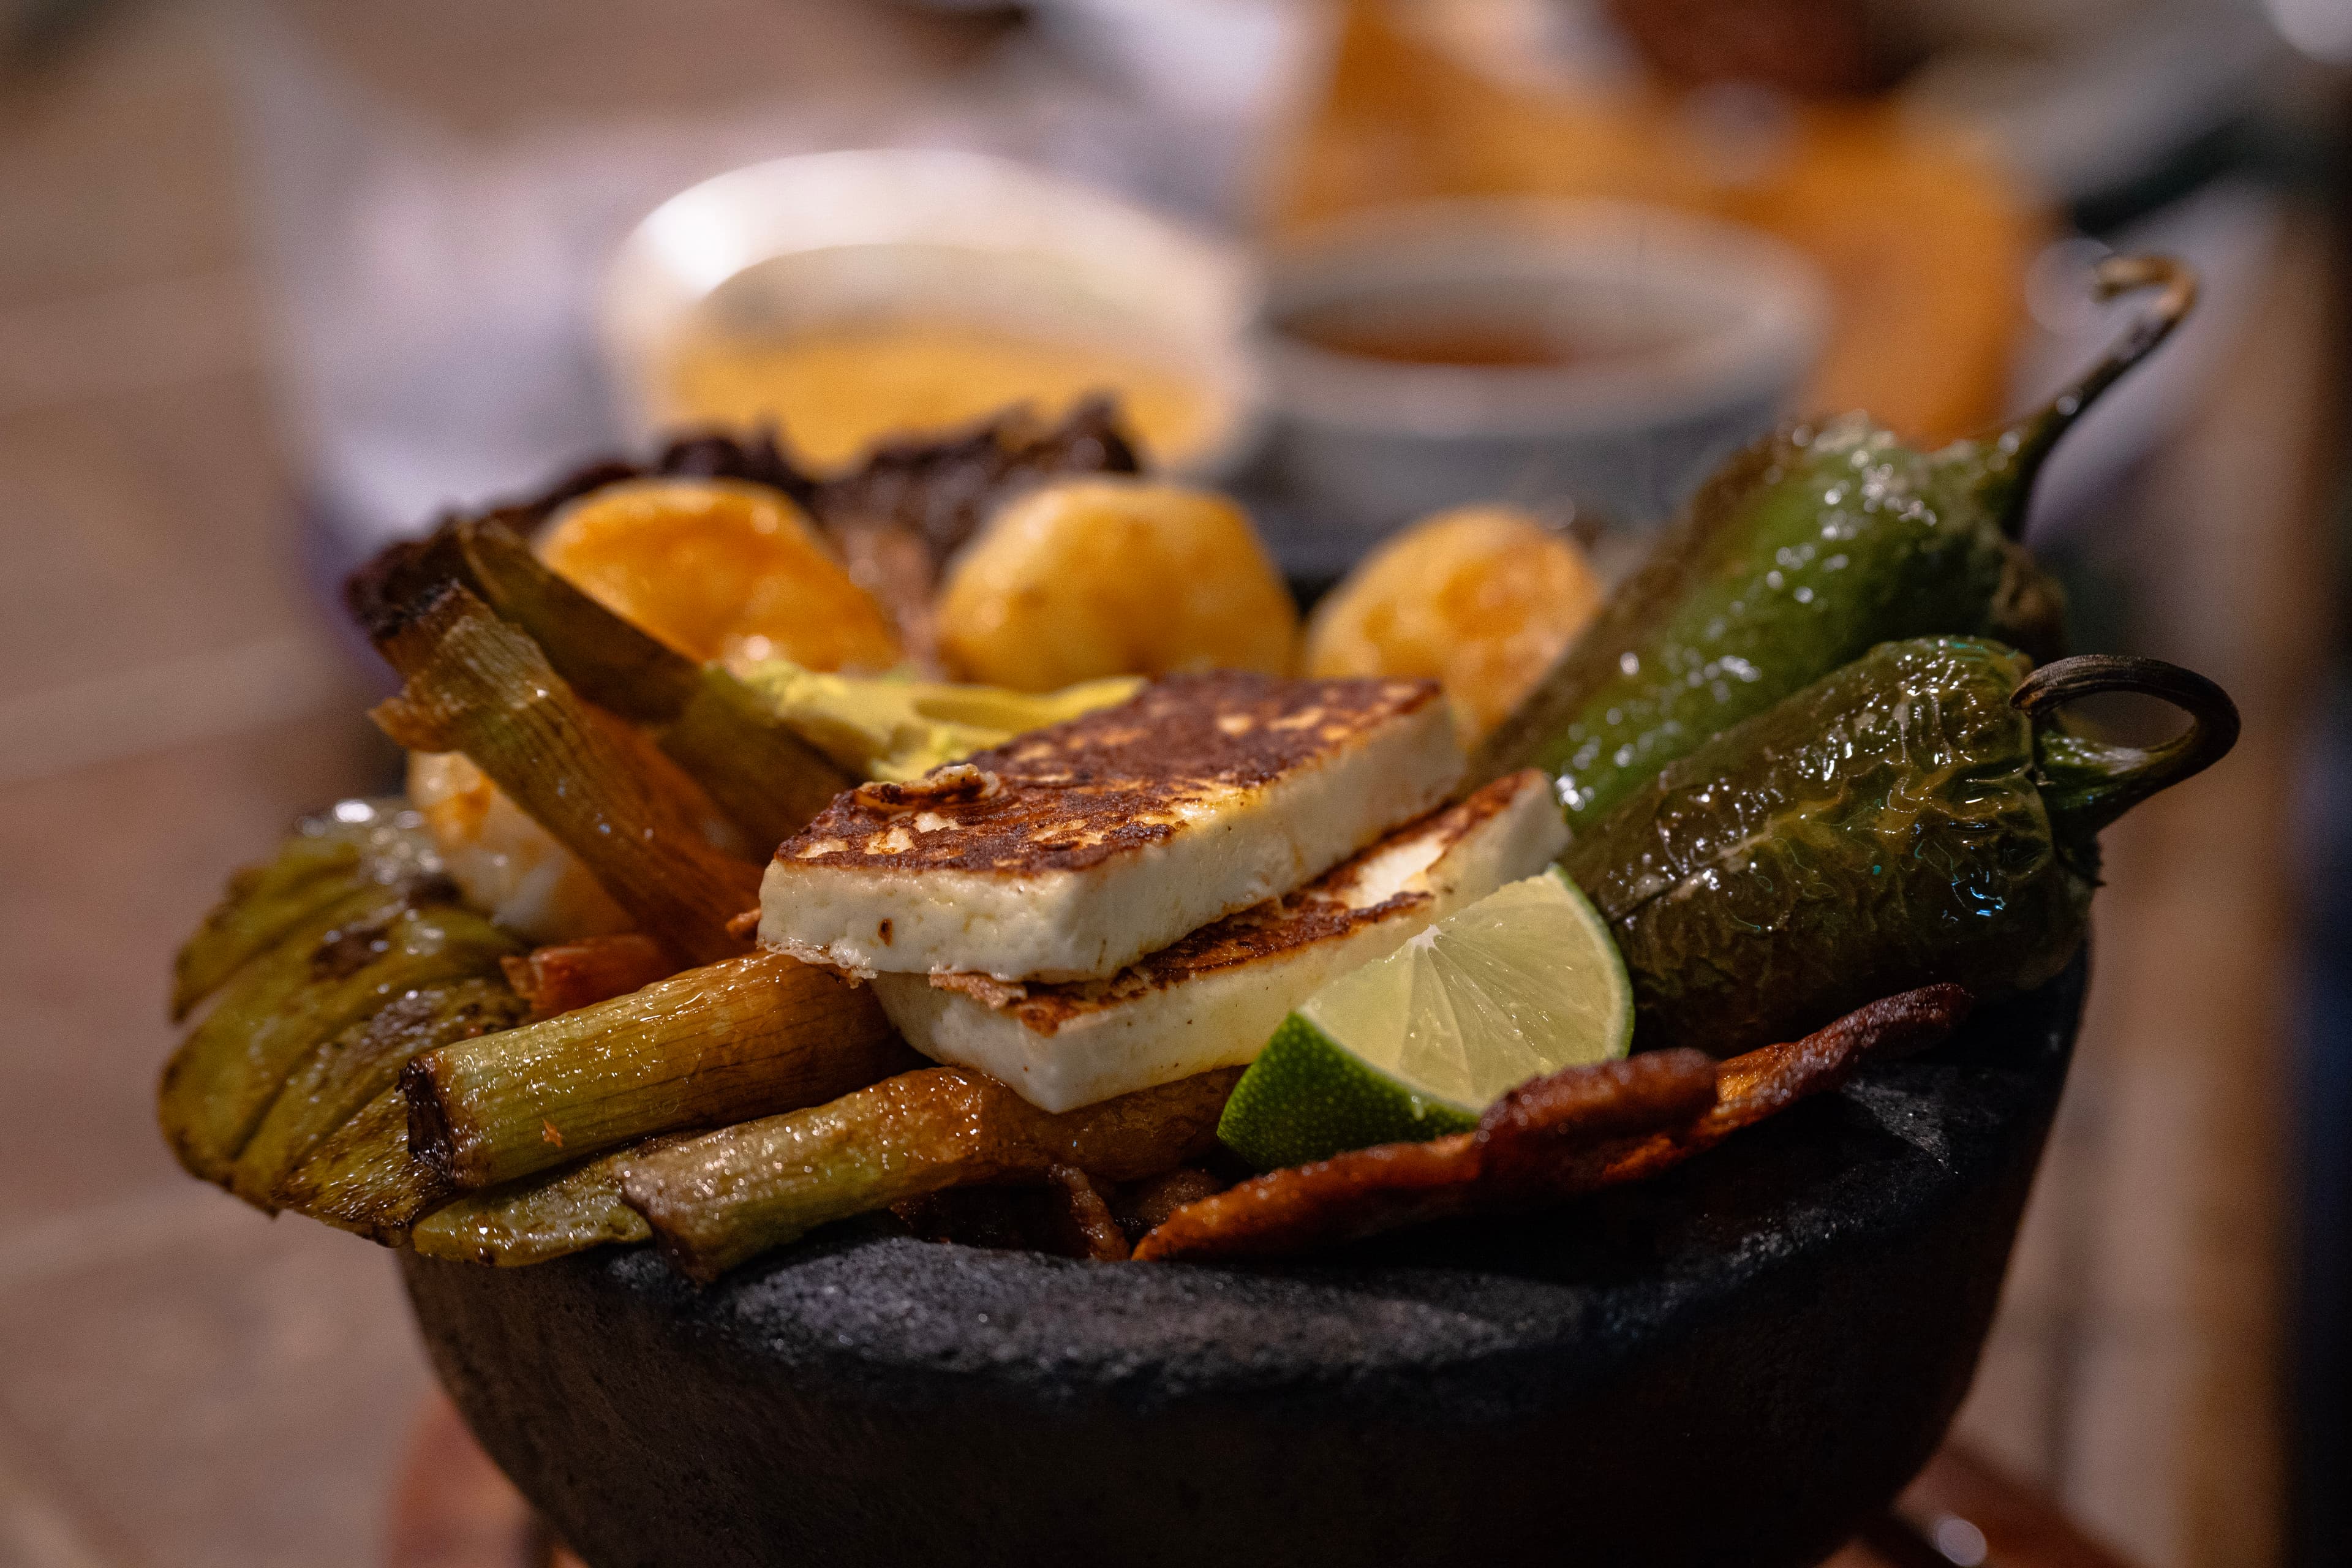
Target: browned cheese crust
(1325, 910)
(1076, 794)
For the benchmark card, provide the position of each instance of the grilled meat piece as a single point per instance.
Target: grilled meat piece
(1575, 1132)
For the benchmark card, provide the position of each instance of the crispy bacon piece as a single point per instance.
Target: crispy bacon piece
(566, 975)
(1575, 1132)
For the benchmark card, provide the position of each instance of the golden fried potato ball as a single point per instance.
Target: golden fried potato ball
(1111, 576)
(720, 568)
(1482, 598)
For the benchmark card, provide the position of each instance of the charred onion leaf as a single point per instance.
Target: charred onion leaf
(334, 971)
(731, 1194)
(915, 503)
(942, 488)
(479, 685)
(756, 767)
(750, 1036)
(622, 670)
(1575, 1132)
(540, 1217)
(378, 595)
(1095, 1232)
(1068, 1215)
(894, 521)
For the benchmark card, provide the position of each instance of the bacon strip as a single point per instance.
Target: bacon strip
(1551, 1139)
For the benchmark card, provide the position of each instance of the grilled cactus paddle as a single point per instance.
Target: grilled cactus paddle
(329, 1086)
(1913, 818)
(331, 973)
(1802, 553)
(359, 845)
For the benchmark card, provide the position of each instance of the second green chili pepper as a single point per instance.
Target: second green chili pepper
(1907, 820)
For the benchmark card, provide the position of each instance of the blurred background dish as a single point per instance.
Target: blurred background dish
(1565, 355)
(848, 297)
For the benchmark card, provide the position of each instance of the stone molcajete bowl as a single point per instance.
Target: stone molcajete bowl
(1731, 1364)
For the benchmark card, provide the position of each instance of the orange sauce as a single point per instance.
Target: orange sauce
(836, 390)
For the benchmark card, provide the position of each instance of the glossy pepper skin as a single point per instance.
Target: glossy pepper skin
(1802, 553)
(1913, 818)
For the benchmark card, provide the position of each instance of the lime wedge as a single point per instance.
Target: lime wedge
(1525, 982)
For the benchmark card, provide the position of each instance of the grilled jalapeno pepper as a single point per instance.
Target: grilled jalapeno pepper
(1804, 552)
(1915, 818)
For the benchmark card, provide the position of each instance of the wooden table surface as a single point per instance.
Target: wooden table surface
(2136, 1371)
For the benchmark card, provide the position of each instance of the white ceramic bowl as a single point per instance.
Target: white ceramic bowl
(1693, 334)
(827, 237)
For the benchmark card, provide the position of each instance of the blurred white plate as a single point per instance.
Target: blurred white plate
(839, 236)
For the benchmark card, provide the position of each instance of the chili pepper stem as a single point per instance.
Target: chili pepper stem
(2087, 784)
(2013, 457)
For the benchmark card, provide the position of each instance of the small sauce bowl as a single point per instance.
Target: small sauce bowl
(1551, 353)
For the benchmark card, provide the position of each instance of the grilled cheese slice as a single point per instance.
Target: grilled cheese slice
(1072, 851)
(1214, 998)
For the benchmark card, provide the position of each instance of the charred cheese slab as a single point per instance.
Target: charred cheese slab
(1072, 851)
(1212, 998)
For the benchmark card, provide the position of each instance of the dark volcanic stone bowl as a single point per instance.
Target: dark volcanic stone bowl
(1732, 1365)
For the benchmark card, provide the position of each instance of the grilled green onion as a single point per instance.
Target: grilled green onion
(754, 767)
(540, 1216)
(479, 685)
(718, 1199)
(750, 1037)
